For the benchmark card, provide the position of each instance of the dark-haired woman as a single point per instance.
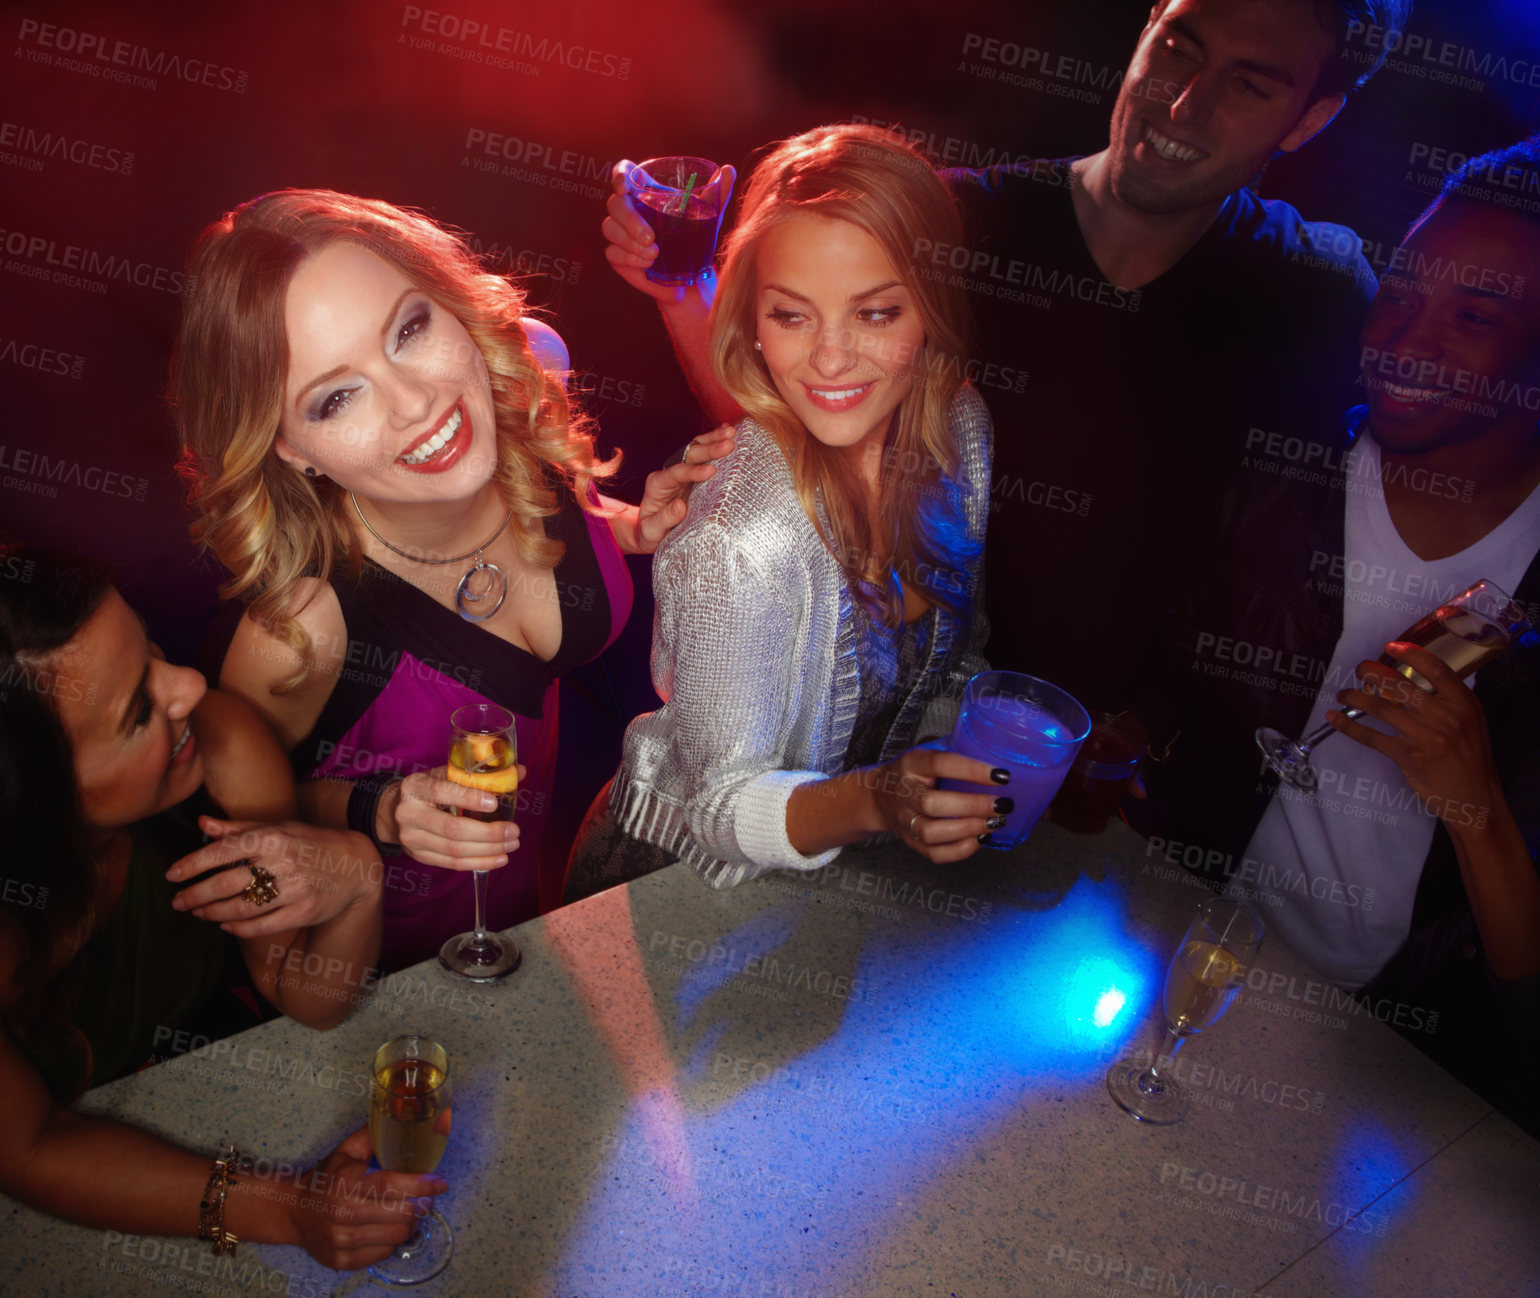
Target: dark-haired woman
(102, 744)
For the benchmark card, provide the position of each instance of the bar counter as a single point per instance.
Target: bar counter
(882, 1079)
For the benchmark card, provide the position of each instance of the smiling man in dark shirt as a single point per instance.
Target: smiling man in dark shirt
(1168, 319)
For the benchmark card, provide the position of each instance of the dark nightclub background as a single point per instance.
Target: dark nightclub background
(125, 130)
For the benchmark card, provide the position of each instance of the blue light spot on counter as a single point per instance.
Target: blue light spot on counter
(1108, 1005)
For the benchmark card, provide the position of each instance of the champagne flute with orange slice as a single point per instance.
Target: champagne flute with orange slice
(483, 754)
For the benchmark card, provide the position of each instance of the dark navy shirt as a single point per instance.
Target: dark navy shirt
(1121, 414)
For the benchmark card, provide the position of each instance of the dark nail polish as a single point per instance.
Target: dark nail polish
(987, 840)
(996, 822)
(1000, 775)
(1004, 806)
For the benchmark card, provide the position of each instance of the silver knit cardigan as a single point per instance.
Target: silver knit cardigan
(754, 656)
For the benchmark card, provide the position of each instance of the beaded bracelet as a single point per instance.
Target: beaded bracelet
(211, 1208)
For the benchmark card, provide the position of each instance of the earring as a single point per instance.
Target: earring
(758, 346)
(310, 471)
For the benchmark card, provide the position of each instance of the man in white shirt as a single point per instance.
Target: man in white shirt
(1411, 870)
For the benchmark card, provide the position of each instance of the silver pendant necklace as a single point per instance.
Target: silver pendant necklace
(483, 587)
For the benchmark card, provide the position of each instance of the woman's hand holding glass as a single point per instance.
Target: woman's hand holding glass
(412, 814)
(317, 874)
(939, 824)
(346, 1216)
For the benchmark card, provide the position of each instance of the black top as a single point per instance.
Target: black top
(1120, 415)
(386, 615)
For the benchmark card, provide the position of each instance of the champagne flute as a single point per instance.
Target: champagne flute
(409, 1119)
(1205, 976)
(483, 754)
(1468, 632)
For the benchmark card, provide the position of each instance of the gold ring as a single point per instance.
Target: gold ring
(262, 889)
(912, 819)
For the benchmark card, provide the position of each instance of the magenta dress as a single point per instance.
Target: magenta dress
(410, 663)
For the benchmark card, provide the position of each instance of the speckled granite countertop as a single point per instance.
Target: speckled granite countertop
(884, 1079)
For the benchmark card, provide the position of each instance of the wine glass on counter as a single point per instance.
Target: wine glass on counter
(1205, 976)
(1465, 634)
(483, 754)
(409, 1119)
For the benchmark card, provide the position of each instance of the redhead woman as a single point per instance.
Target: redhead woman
(821, 604)
(104, 747)
(407, 506)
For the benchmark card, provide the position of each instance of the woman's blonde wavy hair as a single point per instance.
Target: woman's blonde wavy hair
(880, 183)
(269, 524)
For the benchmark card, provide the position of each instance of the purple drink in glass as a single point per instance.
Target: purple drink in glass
(682, 200)
(1028, 726)
(687, 235)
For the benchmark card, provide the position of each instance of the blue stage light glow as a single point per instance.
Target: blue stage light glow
(944, 1032)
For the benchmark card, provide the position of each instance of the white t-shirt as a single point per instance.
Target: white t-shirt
(1337, 870)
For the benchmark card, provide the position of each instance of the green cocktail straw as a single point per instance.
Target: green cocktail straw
(684, 198)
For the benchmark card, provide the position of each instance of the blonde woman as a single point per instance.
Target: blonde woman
(821, 601)
(407, 507)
